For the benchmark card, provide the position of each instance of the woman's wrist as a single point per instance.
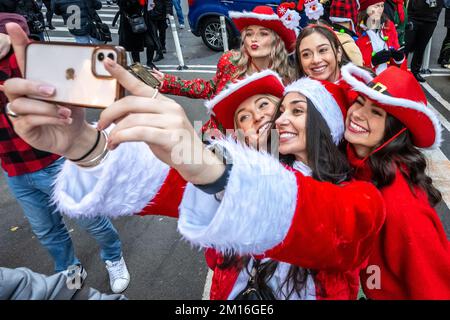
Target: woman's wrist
(83, 143)
(208, 171)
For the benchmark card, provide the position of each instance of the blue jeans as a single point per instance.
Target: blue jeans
(33, 192)
(177, 5)
(87, 39)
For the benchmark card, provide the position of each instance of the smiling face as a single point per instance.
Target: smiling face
(365, 126)
(254, 117)
(291, 126)
(318, 58)
(258, 41)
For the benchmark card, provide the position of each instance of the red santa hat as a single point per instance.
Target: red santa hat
(364, 4)
(284, 22)
(399, 94)
(328, 98)
(225, 104)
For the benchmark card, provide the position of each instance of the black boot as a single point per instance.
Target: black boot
(159, 57)
(419, 77)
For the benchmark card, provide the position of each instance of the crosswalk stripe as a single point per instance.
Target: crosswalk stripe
(115, 31)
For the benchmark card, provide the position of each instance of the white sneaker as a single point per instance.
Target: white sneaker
(119, 278)
(181, 26)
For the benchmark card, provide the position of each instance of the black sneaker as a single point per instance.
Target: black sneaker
(50, 26)
(152, 65)
(419, 77)
(164, 50)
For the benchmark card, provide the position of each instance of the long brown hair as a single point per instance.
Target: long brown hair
(329, 34)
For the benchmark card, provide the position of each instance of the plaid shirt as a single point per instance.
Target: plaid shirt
(16, 155)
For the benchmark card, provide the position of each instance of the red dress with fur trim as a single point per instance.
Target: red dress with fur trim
(332, 232)
(412, 251)
(365, 45)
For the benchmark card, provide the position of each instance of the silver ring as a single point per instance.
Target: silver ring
(9, 112)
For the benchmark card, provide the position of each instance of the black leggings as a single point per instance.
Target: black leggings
(150, 52)
(417, 40)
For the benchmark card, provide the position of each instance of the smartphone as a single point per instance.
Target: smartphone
(76, 71)
(143, 73)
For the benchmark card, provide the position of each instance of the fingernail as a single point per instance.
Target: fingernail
(46, 90)
(99, 126)
(110, 62)
(64, 112)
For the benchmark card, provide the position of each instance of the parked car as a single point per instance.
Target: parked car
(204, 19)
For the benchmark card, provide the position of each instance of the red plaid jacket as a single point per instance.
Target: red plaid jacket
(16, 155)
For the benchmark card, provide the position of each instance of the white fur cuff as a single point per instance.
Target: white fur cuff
(122, 185)
(256, 211)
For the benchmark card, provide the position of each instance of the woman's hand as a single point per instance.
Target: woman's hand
(162, 124)
(44, 126)
(5, 45)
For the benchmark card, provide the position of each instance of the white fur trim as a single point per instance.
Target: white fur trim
(258, 205)
(324, 102)
(247, 14)
(349, 71)
(235, 86)
(122, 185)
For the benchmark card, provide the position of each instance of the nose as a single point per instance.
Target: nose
(316, 58)
(359, 114)
(281, 121)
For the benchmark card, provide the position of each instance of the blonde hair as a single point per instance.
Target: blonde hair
(278, 56)
(273, 99)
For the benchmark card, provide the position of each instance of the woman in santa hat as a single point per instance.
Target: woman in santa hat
(378, 38)
(306, 216)
(267, 38)
(386, 126)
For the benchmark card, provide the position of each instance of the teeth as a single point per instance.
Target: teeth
(357, 128)
(287, 135)
(264, 127)
(320, 69)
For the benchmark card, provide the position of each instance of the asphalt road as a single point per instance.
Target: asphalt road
(163, 266)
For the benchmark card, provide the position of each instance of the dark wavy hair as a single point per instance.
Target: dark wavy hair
(402, 154)
(328, 33)
(328, 163)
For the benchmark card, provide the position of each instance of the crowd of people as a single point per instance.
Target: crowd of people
(312, 182)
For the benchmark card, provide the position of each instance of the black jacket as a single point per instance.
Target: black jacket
(8, 6)
(159, 11)
(31, 10)
(60, 8)
(419, 10)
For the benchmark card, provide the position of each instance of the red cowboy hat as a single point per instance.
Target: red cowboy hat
(283, 22)
(399, 94)
(225, 104)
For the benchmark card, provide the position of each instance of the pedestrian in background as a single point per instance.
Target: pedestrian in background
(179, 10)
(444, 56)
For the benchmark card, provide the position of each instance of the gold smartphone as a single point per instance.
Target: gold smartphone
(76, 71)
(143, 73)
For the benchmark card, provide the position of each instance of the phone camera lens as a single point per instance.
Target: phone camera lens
(111, 56)
(101, 56)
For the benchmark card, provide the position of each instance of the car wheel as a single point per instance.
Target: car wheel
(212, 35)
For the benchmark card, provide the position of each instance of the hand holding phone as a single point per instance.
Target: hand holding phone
(76, 71)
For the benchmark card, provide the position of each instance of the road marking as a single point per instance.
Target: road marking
(187, 71)
(64, 29)
(435, 75)
(207, 288)
(440, 70)
(442, 119)
(209, 66)
(437, 96)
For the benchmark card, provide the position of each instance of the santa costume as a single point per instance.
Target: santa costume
(283, 22)
(412, 252)
(373, 41)
(266, 209)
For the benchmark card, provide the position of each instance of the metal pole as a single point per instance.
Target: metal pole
(223, 28)
(426, 58)
(177, 43)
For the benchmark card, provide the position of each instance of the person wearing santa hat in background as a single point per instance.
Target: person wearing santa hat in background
(378, 39)
(264, 34)
(335, 242)
(385, 127)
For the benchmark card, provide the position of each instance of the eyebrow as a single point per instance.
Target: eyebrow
(241, 109)
(320, 45)
(296, 101)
